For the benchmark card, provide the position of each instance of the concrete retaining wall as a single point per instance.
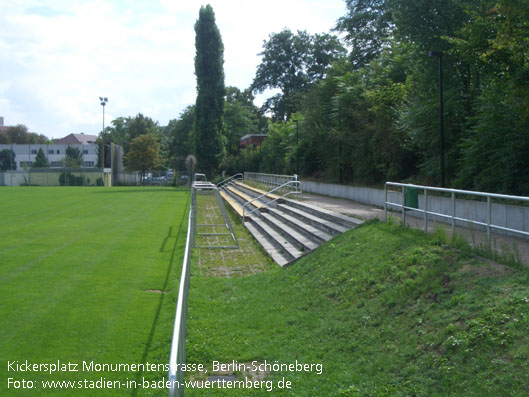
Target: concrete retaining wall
(513, 217)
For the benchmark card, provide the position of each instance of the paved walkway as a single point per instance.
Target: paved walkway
(504, 244)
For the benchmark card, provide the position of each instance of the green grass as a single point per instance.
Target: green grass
(249, 258)
(88, 274)
(386, 310)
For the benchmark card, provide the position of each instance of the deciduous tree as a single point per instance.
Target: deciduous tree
(291, 62)
(143, 155)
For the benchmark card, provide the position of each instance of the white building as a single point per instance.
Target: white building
(55, 153)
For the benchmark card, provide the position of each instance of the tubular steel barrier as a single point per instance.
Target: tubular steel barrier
(270, 180)
(452, 217)
(177, 357)
(290, 183)
(236, 177)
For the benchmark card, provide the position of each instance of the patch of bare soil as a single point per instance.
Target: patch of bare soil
(488, 268)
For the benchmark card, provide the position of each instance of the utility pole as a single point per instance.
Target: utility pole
(439, 54)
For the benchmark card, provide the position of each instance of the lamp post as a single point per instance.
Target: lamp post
(439, 55)
(104, 101)
(297, 141)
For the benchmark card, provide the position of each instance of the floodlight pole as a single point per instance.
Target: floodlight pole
(439, 54)
(297, 141)
(103, 103)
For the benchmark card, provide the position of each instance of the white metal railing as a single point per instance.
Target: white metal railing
(177, 357)
(199, 178)
(297, 190)
(236, 177)
(269, 180)
(210, 187)
(452, 217)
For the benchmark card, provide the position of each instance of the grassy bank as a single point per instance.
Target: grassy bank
(88, 274)
(385, 310)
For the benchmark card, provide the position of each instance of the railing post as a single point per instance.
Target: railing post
(425, 211)
(489, 218)
(453, 214)
(403, 205)
(385, 202)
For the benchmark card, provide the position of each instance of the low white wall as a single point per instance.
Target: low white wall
(511, 216)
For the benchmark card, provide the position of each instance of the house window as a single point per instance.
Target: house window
(89, 163)
(58, 151)
(50, 151)
(85, 151)
(56, 163)
(33, 151)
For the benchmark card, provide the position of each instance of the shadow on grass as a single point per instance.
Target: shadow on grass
(162, 295)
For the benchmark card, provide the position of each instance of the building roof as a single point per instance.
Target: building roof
(77, 139)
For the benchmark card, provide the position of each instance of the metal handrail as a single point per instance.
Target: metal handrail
(227, 180)
(269, 179)
(488, 224)
(200, 175)
(176, 376)
(296, 183)
(210, 186)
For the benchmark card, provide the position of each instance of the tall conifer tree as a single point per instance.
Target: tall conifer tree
(209, 69)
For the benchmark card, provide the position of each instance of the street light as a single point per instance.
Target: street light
(297, 141)
(439, 55)
(104, 101)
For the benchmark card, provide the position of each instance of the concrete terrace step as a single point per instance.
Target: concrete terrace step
(288, 249)
(276, 255)
(299, 240)
(323, 224)
(287, 229)
(257, 192)
(315, 234)
(236, 202)
(246, 198)
(334, 217)
(232, 203)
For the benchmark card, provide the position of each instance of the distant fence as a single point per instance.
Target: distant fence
(88, 177)
(53, 177)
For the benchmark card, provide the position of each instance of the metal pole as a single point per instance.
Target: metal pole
(441, 120)
(453, 213)
(425, 211)
(489, 218)
(103, 146)
(297, 141)
(439, 54)
(385, 202)
(403, 204)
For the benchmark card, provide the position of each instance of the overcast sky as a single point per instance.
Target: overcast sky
(58, 56)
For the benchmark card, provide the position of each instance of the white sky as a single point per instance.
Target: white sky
(58, 56)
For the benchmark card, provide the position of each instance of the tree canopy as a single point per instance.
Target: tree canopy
(19, 134)
(143, 154)
(291, 62)
(374, 115)
(7, 160)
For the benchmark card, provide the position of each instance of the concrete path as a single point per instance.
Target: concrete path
(504, 244)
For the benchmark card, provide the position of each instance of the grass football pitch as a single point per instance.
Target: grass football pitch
(88, 278)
